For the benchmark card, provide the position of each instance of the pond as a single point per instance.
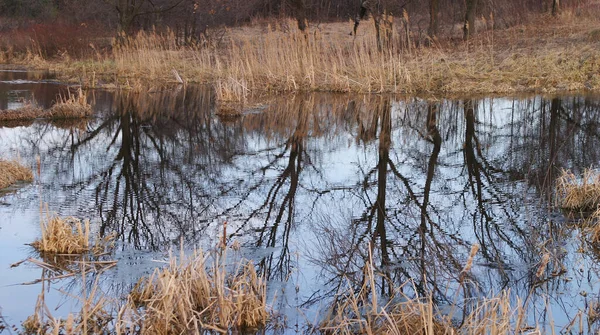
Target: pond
(308, 183)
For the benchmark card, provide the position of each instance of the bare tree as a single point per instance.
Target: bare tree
(433, 18)
(469, 23)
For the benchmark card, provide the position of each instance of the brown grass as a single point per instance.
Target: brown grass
(63, 236)
(72, 106)
(25, 113)
(361, 312)
(185, 297)
(547, 55)
(578, 193)
(12, 171)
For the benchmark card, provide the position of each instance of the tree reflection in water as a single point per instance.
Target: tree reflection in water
(318, 182)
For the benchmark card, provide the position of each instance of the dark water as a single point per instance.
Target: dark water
(308, 182)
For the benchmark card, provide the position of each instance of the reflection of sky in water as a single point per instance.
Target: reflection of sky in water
(299, 183)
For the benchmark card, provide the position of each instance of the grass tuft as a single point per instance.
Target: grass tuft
(575, 193)
(185, 296)
(12, 171)
(63, 236)
(71, 106)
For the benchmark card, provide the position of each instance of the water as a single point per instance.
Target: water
(307, 183)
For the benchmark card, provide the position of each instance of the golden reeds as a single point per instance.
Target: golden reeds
(12, 171)
(578, 193)
(545, 56)
(71, 106)
(360, 312)
(63, 236)
(185, 297)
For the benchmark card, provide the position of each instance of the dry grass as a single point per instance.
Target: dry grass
(549, 54)
(63, 236)
(25, 113)
(185, 297)
(362, 312)
(12, 171)
(72, 106)
(578, 193)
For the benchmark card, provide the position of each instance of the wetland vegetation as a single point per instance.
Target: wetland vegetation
(309, 167)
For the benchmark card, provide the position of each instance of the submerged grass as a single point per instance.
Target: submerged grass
(11, 171)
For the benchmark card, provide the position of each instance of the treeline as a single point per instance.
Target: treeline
(190, 19)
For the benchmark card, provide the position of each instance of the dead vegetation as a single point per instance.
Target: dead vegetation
(71, 106)
(363, 312)
(187, 296)
(578, 193)
(546, 55)
(63, 236)
(11, 172)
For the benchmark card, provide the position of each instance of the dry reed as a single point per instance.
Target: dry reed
(12, 171)
(578, 193)
(185, 297)
(63, 236)
(361, 312)
(71, 106)
(547, 55)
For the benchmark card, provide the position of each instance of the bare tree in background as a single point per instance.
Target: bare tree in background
(129, 10)
(434, 7)
(469, 24)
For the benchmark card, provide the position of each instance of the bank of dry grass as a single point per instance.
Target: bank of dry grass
(549, 54)
(11, 172)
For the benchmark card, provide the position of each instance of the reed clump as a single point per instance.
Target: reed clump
(363, 311)
(11, 172)
(71, 106)
(25, 113)
(63, 236)
(187, 297)
(578, 193)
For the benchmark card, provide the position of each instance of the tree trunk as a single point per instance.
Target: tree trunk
(469, 26)
(433, 20)
(555, 7)
(300, 13)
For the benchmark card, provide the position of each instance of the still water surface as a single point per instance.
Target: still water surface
(306, 184)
